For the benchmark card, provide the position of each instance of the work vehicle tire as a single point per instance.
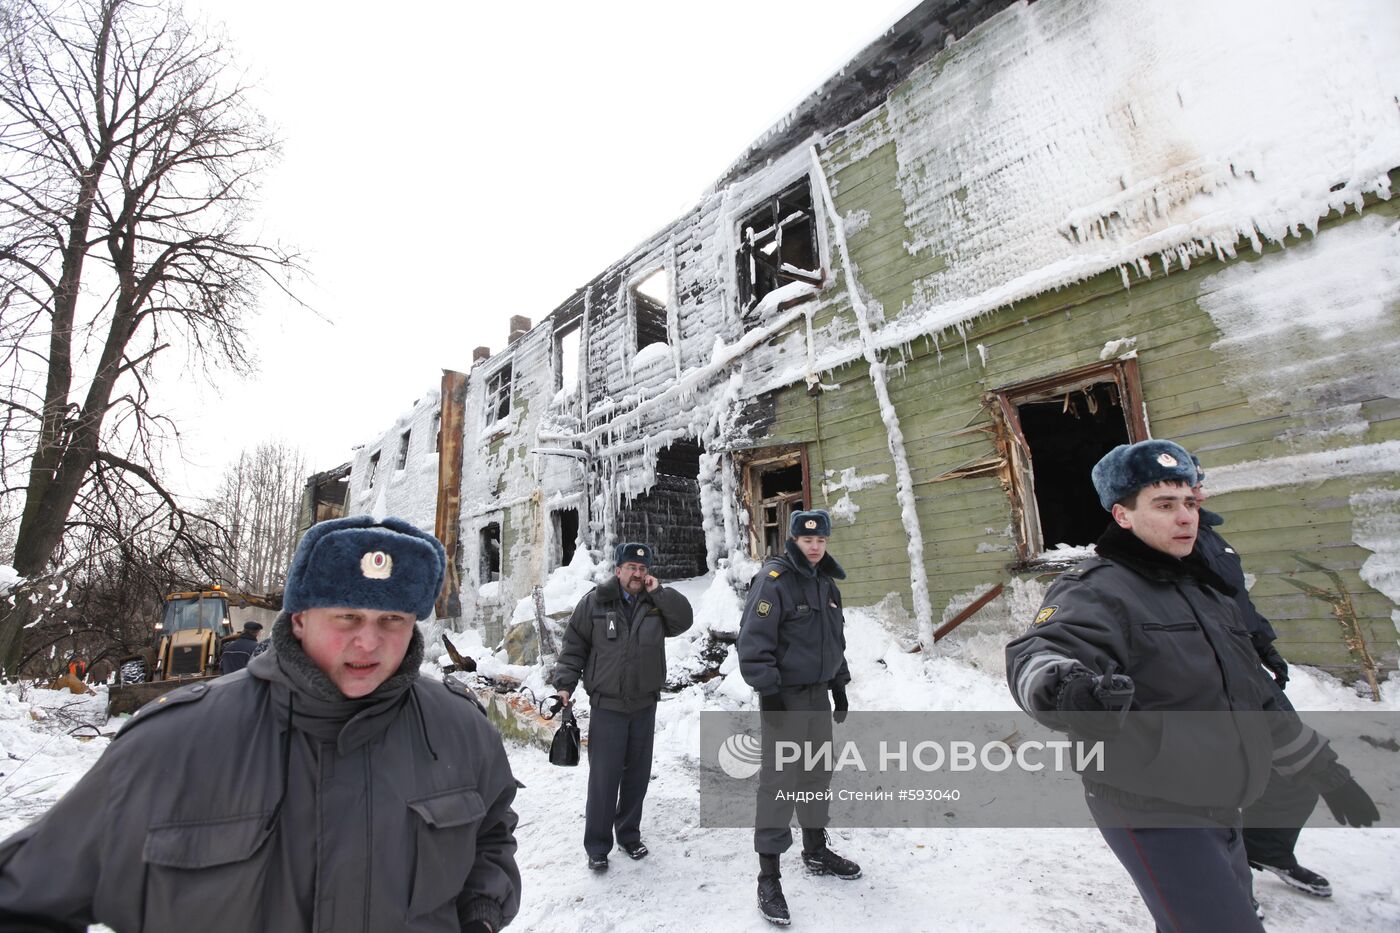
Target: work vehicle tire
(132, 672)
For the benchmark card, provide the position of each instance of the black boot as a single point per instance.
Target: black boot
(771, 902)
(822, 861)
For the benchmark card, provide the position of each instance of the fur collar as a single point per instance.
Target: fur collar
(826, 565)
(1120, 545)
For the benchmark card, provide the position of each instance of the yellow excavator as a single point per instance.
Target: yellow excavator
(184, 649)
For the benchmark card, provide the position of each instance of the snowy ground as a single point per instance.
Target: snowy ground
(913, 880)
(703, 879)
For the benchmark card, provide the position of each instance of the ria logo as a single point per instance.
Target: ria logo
(740, 756)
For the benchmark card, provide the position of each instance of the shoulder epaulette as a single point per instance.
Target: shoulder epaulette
(1084, 567)
(177, 697)
(462, 690)
(775, 573)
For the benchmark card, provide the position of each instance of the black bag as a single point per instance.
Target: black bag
(564, 749)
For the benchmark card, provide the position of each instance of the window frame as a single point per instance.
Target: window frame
(1016, 472)
(772, 202)
(752, 464)
(493, 397)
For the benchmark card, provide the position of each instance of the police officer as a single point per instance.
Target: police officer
(239, 651)
(1272, 823)
(1146, 622)
(616, 641)
(792, 650)
(343, 791)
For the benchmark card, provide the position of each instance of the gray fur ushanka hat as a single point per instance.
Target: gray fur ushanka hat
(815, 522)
(1129, 467)
(634, 552)
(361, 563)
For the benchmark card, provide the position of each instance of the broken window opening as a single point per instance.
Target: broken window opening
(402, 460)
(373, 468)
(498, 394)
(490, 553)
(567, 341)
(668, 517)
(778, 245)
(1052, 432)
(775, 484)
(651, 297)
(566, 535)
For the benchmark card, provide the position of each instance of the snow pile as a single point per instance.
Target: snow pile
(564, 587)
(9, 579)
(48, 740)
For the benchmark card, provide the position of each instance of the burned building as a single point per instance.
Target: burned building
(1005, 238)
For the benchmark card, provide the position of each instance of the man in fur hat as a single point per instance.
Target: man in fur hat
(1148, 629)
(792, 650)
(341, 792)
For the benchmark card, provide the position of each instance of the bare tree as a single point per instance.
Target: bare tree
(129, 155)
(257, 503)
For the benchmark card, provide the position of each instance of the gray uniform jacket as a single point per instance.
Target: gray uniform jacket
(1134, 611)
(206, 813)
(620, 649)
(793, 632)
(1223, 559)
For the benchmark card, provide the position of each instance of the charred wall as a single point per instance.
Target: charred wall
(668, 515)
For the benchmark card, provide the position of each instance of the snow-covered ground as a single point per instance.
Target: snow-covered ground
(704, 879)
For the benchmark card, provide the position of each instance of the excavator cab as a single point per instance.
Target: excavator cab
(185, 647)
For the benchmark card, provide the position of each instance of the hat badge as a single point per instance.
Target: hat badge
(376, 565)
(641, 552)
(1166, 460)
(811, 523)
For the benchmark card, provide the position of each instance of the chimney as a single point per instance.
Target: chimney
(519, 326)
(479, 354)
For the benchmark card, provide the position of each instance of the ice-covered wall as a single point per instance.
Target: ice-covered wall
(1068, 137)
(410, 492)
(1057, 141)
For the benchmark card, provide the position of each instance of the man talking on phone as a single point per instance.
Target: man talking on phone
(616, 641)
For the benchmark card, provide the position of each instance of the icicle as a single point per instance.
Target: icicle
(904, 481)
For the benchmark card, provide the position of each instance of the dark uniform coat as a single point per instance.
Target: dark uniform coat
(619, 647)
(793, 632)
(1174, 628)
(391, 812)
(237, 653)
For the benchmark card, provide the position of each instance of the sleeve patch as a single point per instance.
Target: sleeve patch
(764, 607)
(1044, 615)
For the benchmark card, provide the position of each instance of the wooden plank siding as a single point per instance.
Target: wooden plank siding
(938, 396)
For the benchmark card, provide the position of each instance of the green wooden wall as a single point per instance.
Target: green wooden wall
(966, 522)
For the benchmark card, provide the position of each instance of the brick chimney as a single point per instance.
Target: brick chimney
(479, 354)
(519, 326)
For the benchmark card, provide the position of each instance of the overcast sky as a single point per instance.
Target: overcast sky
(448, 165)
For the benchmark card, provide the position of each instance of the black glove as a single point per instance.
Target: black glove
(770, 702)
(839, 703)
(1081, 700)
(1276, 665)
(1350, 805)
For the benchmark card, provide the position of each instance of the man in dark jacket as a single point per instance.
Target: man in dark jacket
(343, 792)
(239, 651)
(792, 650)
(1147, 623)
(616, 641)
(1272, 823)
